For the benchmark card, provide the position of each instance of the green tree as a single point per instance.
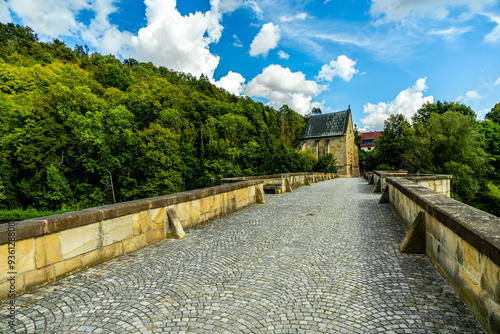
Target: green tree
(392, 145)
(494, 114)
(326, 164)
(423, 115)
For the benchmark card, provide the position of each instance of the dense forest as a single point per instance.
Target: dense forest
(445, 138)
(80, 129)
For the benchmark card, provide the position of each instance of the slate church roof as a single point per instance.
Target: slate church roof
(326, 125)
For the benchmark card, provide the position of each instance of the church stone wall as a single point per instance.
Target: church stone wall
(342, 147)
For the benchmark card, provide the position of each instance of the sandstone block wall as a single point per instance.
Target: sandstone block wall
(48, 248)
(438, 183)
(461, 241)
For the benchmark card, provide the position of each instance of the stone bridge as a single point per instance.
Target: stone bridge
(323, 258)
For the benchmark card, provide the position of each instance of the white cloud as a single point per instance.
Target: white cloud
(288, 18)
(472, 94)
(226, 6)
(282, 86)
(103, 35)
(4, 12)
(50, 18)
(396, 10)
(180, 42)
(407, 103)
(233, 82)
(267, 39)
(497, 82)
(494, 35)
(237, 42)
(255, 7)
(450, 33)
(343, 68)
(283, 55)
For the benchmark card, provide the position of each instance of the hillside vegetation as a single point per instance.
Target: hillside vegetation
(79, 130)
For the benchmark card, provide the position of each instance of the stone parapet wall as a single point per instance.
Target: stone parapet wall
(437, 182)
(462, 242)
(282, 183)
(48, 248)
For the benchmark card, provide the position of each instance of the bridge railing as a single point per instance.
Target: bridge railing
(462, 242)
(286, 182)
(37, 251)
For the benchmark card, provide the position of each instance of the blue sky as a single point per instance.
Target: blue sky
(380, 57)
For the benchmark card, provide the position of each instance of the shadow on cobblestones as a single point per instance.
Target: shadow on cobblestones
(321, 259)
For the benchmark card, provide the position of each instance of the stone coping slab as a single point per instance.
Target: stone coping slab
(480, 229)
(273, 176)
(403, 174)
(50, 224)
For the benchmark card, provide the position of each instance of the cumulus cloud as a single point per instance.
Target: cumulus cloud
(343, 68)
(233, 82)
(267, 39)
(393, 11)
(283, 54)
(407, 103)
(50, 18)
(282, 86)
(180, 42)
(493, 36)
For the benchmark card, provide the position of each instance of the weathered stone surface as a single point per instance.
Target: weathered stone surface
(141, 222)
(38, 277)
(134, 243)
(24, 257)
(111, 251)
(80, 240)
(175, 227)
(47, 250)
(155, 235)
(490, 278)
(475, 297)
(24, 229)
(415, 239)
(116, 230)
(64, 267)
(207, 204)
(158, 218)
(471, 260)
(494, 317)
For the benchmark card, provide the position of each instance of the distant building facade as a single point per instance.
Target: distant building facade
(333, 133)
(368, 139)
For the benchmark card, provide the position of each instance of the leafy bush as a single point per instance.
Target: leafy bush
(326, 164)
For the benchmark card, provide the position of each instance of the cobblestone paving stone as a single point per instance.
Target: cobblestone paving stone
(321, 259)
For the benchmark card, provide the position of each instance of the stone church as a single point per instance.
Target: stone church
(333, 133)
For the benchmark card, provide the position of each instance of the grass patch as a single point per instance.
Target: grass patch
(19, 214)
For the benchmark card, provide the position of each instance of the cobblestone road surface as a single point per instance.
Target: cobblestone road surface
(321, 259)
